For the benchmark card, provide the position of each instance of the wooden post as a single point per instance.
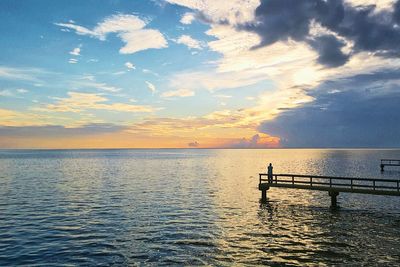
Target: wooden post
(333, 195)
(264, 195)
(263, 188)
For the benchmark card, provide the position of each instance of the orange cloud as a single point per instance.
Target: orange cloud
(76, 102)
(259, 140)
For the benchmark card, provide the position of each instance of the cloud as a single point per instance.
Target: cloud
(329, 49)
(147, 71)
(364, 113)
(190, 42)
(119, 72)
(79, 30)
(364, 28)
(5, 113)
(89, 82)
(396, 13)
(167, 126)
(24, 74)
(151, 87)
(103, 87)
(130, 65)
(129, 28)
(10, 93)
(178, 93)
(6, 92)
(17, 118)
(76, 51)
(211, 11)
(290, 66)
(379, 5)
(193, 144)
(187, 18)
(223, 96)
(59, 131)
(22, 91)
(259, 140)
(212, 81)
(77, 102)
(72, 61)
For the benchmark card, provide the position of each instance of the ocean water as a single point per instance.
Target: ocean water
(190, 207)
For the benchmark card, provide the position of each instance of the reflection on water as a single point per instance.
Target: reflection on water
(175, 207)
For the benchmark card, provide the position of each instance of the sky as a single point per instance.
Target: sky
(199, 74)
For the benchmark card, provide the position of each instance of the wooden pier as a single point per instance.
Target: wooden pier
(389, 162)
(333, 185)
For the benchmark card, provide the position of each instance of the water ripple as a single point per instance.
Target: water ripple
(189, 207)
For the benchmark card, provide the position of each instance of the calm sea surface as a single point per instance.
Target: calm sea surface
(190, 207)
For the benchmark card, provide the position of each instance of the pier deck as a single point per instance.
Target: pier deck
(331, 184)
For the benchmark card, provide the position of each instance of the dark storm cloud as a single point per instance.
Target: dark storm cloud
(367, 114)
(370, 30)
(329, 50)
(280, 20)
(396, 15)
(59, 131)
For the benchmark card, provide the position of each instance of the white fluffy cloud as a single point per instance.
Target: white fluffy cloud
(234, 11)
(241, 11)
(187, 18)
(130, 28)
(76, 51)
(189, 42)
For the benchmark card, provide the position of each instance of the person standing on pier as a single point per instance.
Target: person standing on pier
(269, 173)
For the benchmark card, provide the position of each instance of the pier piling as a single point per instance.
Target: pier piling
(263, 188)
(264, 196)
(333, 195)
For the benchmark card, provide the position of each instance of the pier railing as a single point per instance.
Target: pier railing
(332, 183)
(389, 162)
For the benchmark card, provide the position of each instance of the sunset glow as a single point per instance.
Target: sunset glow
(195, 74)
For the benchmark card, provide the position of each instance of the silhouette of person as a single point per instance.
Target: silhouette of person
(270, 173)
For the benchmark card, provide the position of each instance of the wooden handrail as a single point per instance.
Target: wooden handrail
(331, 177)
(315, 180)
(390, 161)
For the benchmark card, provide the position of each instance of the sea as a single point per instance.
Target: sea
(190, 207)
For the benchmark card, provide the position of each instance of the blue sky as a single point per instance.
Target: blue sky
(178, 72)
